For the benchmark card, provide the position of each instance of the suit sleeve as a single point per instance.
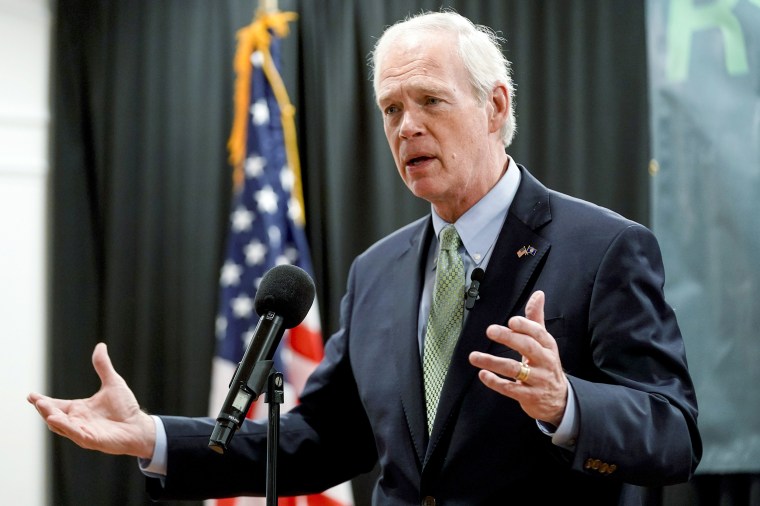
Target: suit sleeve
(640, 421)
(324, 441)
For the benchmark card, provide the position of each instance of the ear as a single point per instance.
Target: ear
(498, 107)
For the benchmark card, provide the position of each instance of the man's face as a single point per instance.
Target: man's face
(436, 128)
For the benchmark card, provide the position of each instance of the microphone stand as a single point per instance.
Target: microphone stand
(274, 397)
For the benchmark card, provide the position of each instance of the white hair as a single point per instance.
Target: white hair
(478, 46)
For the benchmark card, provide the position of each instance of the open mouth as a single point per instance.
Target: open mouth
(417, 160)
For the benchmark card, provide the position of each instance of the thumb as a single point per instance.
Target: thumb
(103, 366)
(534, 309)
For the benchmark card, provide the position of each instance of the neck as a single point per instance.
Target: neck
(451, 211)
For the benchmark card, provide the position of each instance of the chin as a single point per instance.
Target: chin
(425, 187)
(423, 193)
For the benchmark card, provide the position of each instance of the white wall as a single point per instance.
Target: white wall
(24, 117)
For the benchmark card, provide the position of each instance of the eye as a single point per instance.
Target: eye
(391, 109)
(432, 101)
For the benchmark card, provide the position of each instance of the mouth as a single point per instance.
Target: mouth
(416, 161)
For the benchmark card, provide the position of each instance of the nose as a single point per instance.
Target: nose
(411, 126)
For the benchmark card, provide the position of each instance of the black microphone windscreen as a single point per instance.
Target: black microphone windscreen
(286, 290)
(477, 274)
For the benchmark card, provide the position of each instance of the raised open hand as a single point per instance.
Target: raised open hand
(110, 421)
(539, 383)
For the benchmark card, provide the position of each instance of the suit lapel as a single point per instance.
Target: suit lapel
(502, 292)
(404, 344)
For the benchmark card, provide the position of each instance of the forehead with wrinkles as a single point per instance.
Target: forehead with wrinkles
(421, 60)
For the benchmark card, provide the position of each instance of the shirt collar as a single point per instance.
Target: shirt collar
(480, 225)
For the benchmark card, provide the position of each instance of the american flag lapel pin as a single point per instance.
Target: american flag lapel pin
(526, 250)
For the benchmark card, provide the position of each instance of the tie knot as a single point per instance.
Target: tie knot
(450, 238)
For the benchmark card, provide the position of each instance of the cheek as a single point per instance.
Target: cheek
(392, 137)
(395, 153)
(399, 164)
(401, 171)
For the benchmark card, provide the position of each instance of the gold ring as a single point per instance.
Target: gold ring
(524, 372)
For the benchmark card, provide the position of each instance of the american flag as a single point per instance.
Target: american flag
(266, 229)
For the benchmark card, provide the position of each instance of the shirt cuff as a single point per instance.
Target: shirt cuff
(566, 433)
(155, 467)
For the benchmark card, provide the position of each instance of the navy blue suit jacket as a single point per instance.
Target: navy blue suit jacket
(619, 343)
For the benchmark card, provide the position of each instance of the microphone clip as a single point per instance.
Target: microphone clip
(472, 294)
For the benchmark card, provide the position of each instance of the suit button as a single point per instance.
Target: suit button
(428, 501)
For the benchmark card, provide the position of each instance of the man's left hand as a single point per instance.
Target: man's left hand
(543, 393)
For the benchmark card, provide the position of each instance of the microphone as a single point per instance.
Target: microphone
(472, 294)
(284, 296)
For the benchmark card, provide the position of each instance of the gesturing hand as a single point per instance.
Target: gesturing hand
(110, 421)
(543, 393)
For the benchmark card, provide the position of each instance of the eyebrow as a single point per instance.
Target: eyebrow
(426, 90)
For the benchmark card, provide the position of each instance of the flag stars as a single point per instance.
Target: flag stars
(287, 178)
(266, 200)
(242, 306)
(291, 253)
(246, 337)
(275, 236)
(255, 252)
(260, 112)
(231, 273)
(241, 219)
(254, 166)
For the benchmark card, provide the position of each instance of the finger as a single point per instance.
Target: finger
(77, 433)
(501, 366)
(500, 385)
(56, 430)
(499, 334)
(103, 366)
(533, 323)
(534, 309)
(518, 338)
(47, 406)
(61, 425)
(34, 400)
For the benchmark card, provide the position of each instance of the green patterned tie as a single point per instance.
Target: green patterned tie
(445, 320)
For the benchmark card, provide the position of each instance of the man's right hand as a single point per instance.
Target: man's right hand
(110, 421)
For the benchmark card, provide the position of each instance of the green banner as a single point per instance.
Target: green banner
(704, 83)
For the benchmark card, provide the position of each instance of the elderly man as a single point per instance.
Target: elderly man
(560, 375)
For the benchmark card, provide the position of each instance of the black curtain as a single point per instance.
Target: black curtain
(139, 191)
(140, 185)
